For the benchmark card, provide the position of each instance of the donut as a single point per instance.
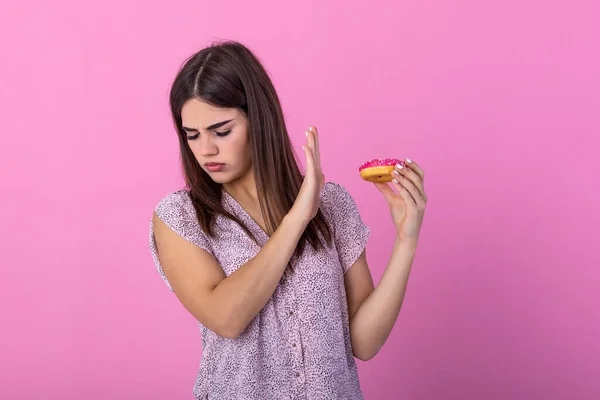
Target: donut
(378, 170)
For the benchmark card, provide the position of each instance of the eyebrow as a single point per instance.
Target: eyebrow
(213, 126)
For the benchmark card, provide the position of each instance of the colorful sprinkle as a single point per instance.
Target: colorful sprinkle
(377, 162)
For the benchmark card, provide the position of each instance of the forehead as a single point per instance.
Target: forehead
(198, 114)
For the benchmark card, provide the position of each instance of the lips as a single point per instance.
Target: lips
(214, 167)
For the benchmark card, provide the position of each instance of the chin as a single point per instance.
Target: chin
(221, 181)
(221, 178)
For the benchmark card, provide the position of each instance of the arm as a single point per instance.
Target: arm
(225, 305)
(373, 311)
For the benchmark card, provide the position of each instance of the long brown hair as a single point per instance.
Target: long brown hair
(228, 74)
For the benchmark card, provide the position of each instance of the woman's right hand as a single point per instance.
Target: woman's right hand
(306, 204)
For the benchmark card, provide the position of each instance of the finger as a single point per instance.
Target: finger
(405, 194)
(313, 129)
(310, 161)
(412, 189)
(412, 176)
(310, 136)
(416, 168)
(386, 190)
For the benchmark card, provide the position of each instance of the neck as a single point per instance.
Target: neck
(243, 187)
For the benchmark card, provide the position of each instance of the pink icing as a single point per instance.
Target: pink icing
(377, 162)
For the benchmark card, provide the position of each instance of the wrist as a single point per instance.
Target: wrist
(407, 243)
(296, 219)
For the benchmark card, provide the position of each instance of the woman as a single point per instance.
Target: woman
(272, 263)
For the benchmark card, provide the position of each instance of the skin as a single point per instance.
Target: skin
(226, 305)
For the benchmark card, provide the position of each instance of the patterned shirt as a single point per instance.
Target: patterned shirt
(298, 346)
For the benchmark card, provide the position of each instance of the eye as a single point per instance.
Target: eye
(221, 134)
(194, 136)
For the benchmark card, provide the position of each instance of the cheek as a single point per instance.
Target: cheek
(194, 146)
(240, 148)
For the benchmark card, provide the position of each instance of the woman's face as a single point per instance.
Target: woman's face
(218, 137)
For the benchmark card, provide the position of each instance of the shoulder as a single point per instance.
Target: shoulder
(332, 190)
(174, 206)
(176, 211)
(335, 195)
(349, 230)
(336, 201)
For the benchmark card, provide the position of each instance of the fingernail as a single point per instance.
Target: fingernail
(306, 133)
(396, 172)
(399, 166)
(310, 128)
(396, 181)
(408, 160)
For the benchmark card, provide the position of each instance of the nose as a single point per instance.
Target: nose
(207, 145)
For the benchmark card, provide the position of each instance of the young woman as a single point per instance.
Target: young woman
(269, 261)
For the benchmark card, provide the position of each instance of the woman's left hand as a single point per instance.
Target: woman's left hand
(407, 206)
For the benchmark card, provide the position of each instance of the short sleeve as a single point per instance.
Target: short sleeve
(177, 212)
(350, 233)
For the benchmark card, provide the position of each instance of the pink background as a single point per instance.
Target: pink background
(498, 100)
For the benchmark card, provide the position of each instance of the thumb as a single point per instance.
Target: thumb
(386, 190)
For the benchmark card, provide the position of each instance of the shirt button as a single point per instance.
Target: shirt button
(291, 313)
(297, 374)
(293, 344)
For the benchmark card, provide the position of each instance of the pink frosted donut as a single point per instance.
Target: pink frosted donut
(378, 170)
